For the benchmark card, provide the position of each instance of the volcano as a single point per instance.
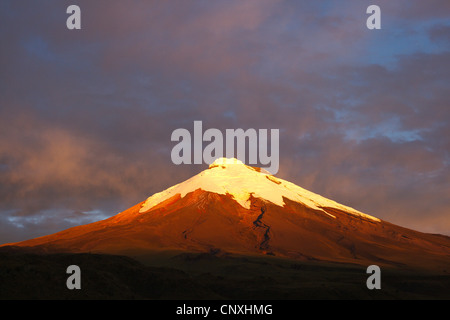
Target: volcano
(232, 208)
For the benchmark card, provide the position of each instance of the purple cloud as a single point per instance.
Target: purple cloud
(86, 116)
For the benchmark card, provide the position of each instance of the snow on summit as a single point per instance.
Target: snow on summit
(233, 177)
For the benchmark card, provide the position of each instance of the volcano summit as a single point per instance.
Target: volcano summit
(237, 209)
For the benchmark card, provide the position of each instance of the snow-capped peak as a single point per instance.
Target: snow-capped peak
(225, 161)
(233, 177)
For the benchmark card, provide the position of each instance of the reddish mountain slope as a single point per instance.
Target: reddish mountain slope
(236, 209)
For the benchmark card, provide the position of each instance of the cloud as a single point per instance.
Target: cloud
(86, 117)
(440, 33)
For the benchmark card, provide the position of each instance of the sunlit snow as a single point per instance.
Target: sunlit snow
(231, 176)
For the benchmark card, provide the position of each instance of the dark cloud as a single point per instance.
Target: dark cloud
(86, 116)
(440, 34)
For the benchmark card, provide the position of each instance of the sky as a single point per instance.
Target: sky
(86, 115)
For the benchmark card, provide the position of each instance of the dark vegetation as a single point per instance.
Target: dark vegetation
(27, 275)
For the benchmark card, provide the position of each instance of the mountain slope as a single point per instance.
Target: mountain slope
(237, 209)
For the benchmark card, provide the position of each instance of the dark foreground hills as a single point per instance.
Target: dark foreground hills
(204, 276)
(231, 232)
